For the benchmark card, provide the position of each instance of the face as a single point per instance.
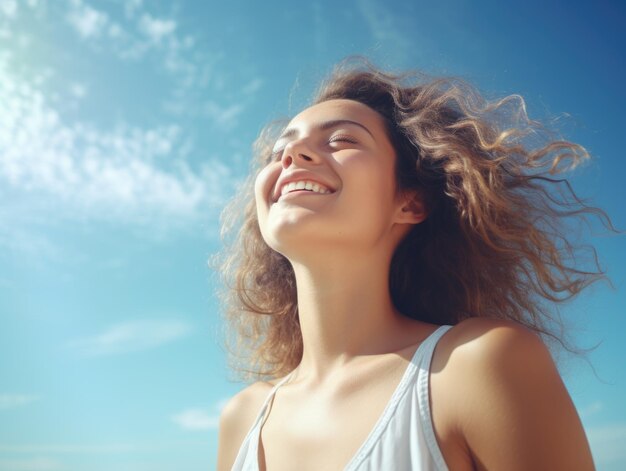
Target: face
(330, 180)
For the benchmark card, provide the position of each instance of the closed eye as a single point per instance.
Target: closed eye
(277, 154)
(342, 138)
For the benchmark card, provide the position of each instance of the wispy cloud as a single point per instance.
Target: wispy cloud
(19, 235)
(191, 70)
(62, 162)
(199, 419)
(129, 173)
(383, 26)
(131, 7)
(140, 34)
(86, 20)
(607, 443)
(253, 86)
(8, 8)
(131, 336)
(196, 420)
(224, 117)
(78, 90)
(10, 401)
(156, 28)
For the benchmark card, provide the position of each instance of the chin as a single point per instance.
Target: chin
(284, 238)
(297, 244)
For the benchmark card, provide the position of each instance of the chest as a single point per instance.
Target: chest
(321, 432)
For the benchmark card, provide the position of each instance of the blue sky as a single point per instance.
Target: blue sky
(126, 125)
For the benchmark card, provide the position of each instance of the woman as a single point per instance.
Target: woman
(393, 279)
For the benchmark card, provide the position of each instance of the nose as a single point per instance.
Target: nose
(298, 153)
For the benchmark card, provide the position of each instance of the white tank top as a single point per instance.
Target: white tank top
(403, 438)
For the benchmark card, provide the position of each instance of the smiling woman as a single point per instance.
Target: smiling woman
(393, 281)
(344, 158)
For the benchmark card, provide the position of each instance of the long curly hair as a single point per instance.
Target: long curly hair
(497, 241)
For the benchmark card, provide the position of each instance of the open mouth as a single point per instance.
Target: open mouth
(304, 187)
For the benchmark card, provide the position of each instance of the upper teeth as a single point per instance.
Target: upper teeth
(303, 185)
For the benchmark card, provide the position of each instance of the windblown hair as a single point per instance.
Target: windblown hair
(496, 242)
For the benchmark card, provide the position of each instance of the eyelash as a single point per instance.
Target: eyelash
(339, 138)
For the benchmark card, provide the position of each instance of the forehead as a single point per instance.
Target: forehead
(339, 110)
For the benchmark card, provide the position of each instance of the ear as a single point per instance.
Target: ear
(412, 209)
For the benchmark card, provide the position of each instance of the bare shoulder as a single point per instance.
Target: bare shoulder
(491, 340)
(478, 351)
(237, 418)
(511, 394)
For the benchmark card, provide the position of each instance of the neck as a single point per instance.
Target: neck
(346, 311)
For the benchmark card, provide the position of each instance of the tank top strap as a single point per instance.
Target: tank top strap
(428, 348)
(252, 439)
(270, 397)
(422, 355)
(423, 395)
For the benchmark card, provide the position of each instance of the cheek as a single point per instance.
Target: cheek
(370, 198)
(265, 182)
(375, 180)
(263, 189)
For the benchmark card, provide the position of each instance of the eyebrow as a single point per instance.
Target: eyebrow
(290, 132)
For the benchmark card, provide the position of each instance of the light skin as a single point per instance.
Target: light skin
(513, 411)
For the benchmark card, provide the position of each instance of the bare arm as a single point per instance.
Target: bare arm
(516, 413)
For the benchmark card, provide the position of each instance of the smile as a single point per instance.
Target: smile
(304, 185)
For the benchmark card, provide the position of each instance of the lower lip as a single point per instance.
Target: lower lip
(292, 194)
